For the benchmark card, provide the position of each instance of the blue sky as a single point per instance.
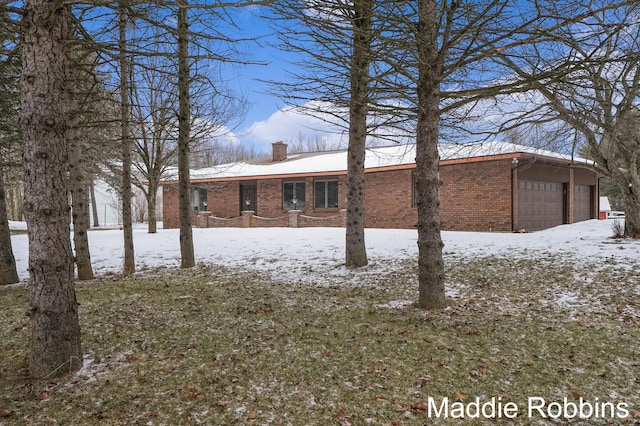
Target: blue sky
(266, 122)
(261, 104)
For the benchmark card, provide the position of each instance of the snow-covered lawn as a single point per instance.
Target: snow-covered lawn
(294, 254)
(315, 256)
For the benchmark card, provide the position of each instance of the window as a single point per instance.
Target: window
(198, 198)
(326, 194)
(293, 195)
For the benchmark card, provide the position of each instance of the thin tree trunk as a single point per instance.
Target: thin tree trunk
(129, 266)
(87, 203)
(79, 206)
(356, 252)
(184, 135)
(94, 204)
(8, 271)
(430, 262)
(55, 343)
(151, 208)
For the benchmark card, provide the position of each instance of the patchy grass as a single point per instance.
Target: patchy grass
(220, 346)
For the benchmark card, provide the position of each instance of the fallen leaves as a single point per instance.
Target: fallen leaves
(329, 354)
(5, 414)
(341, 417)
(460, 396)
(578, 395)
(192, 392)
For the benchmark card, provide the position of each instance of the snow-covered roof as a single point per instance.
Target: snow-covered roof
(378, 157)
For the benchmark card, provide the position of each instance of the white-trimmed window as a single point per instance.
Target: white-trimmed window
(293, 195)
(325, 194)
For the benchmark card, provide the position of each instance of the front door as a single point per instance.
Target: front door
(248, 197)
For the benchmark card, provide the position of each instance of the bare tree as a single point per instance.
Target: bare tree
(304, 143)
(359, 92)
(129, 266)
(154, 142)
(456, 55)
(78, 191)
(184, 137)
(77, 76)
(336, 40)
(55, 344)
(430, 75)
(213, 151)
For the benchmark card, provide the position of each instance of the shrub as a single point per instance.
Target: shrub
(617, 226)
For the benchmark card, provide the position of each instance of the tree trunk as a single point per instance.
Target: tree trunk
(129, 266)
(430, 262)
(78, 191)
(631, 214)
(356, 252)
(8, 271)
(55, 343)
(94, 204)
(184, 135)
(151, 208)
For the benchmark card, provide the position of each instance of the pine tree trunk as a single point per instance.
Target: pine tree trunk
(8, 271)
(129, 266)
(55, 343)
(184, 135)
(430, 261)
(79, 205)
(356, 252)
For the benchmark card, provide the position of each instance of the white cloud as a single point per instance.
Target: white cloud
(311, 121)
(291, 123)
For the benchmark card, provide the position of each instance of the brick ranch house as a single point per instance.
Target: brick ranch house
(490, 186)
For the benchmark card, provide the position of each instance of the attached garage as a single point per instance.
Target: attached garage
(548, 194)
(541, 204)
(583, 198)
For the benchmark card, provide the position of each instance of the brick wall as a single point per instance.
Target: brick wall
(270, 198)
(476, 196)
(170, 206)
(388, 200)
(223, 198)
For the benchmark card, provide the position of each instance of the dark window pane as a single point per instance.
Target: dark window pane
(299, 193)
(293, 191)
(319, 194)
(326, 194)
(332, 194)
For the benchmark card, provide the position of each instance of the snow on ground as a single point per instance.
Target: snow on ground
(314, 254)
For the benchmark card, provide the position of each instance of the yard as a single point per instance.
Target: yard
(269, 329)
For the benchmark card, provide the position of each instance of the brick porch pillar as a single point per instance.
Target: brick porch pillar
(246, 218)
(293, 218)
(202, 221)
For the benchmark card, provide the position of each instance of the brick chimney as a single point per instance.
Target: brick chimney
(279, 151)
